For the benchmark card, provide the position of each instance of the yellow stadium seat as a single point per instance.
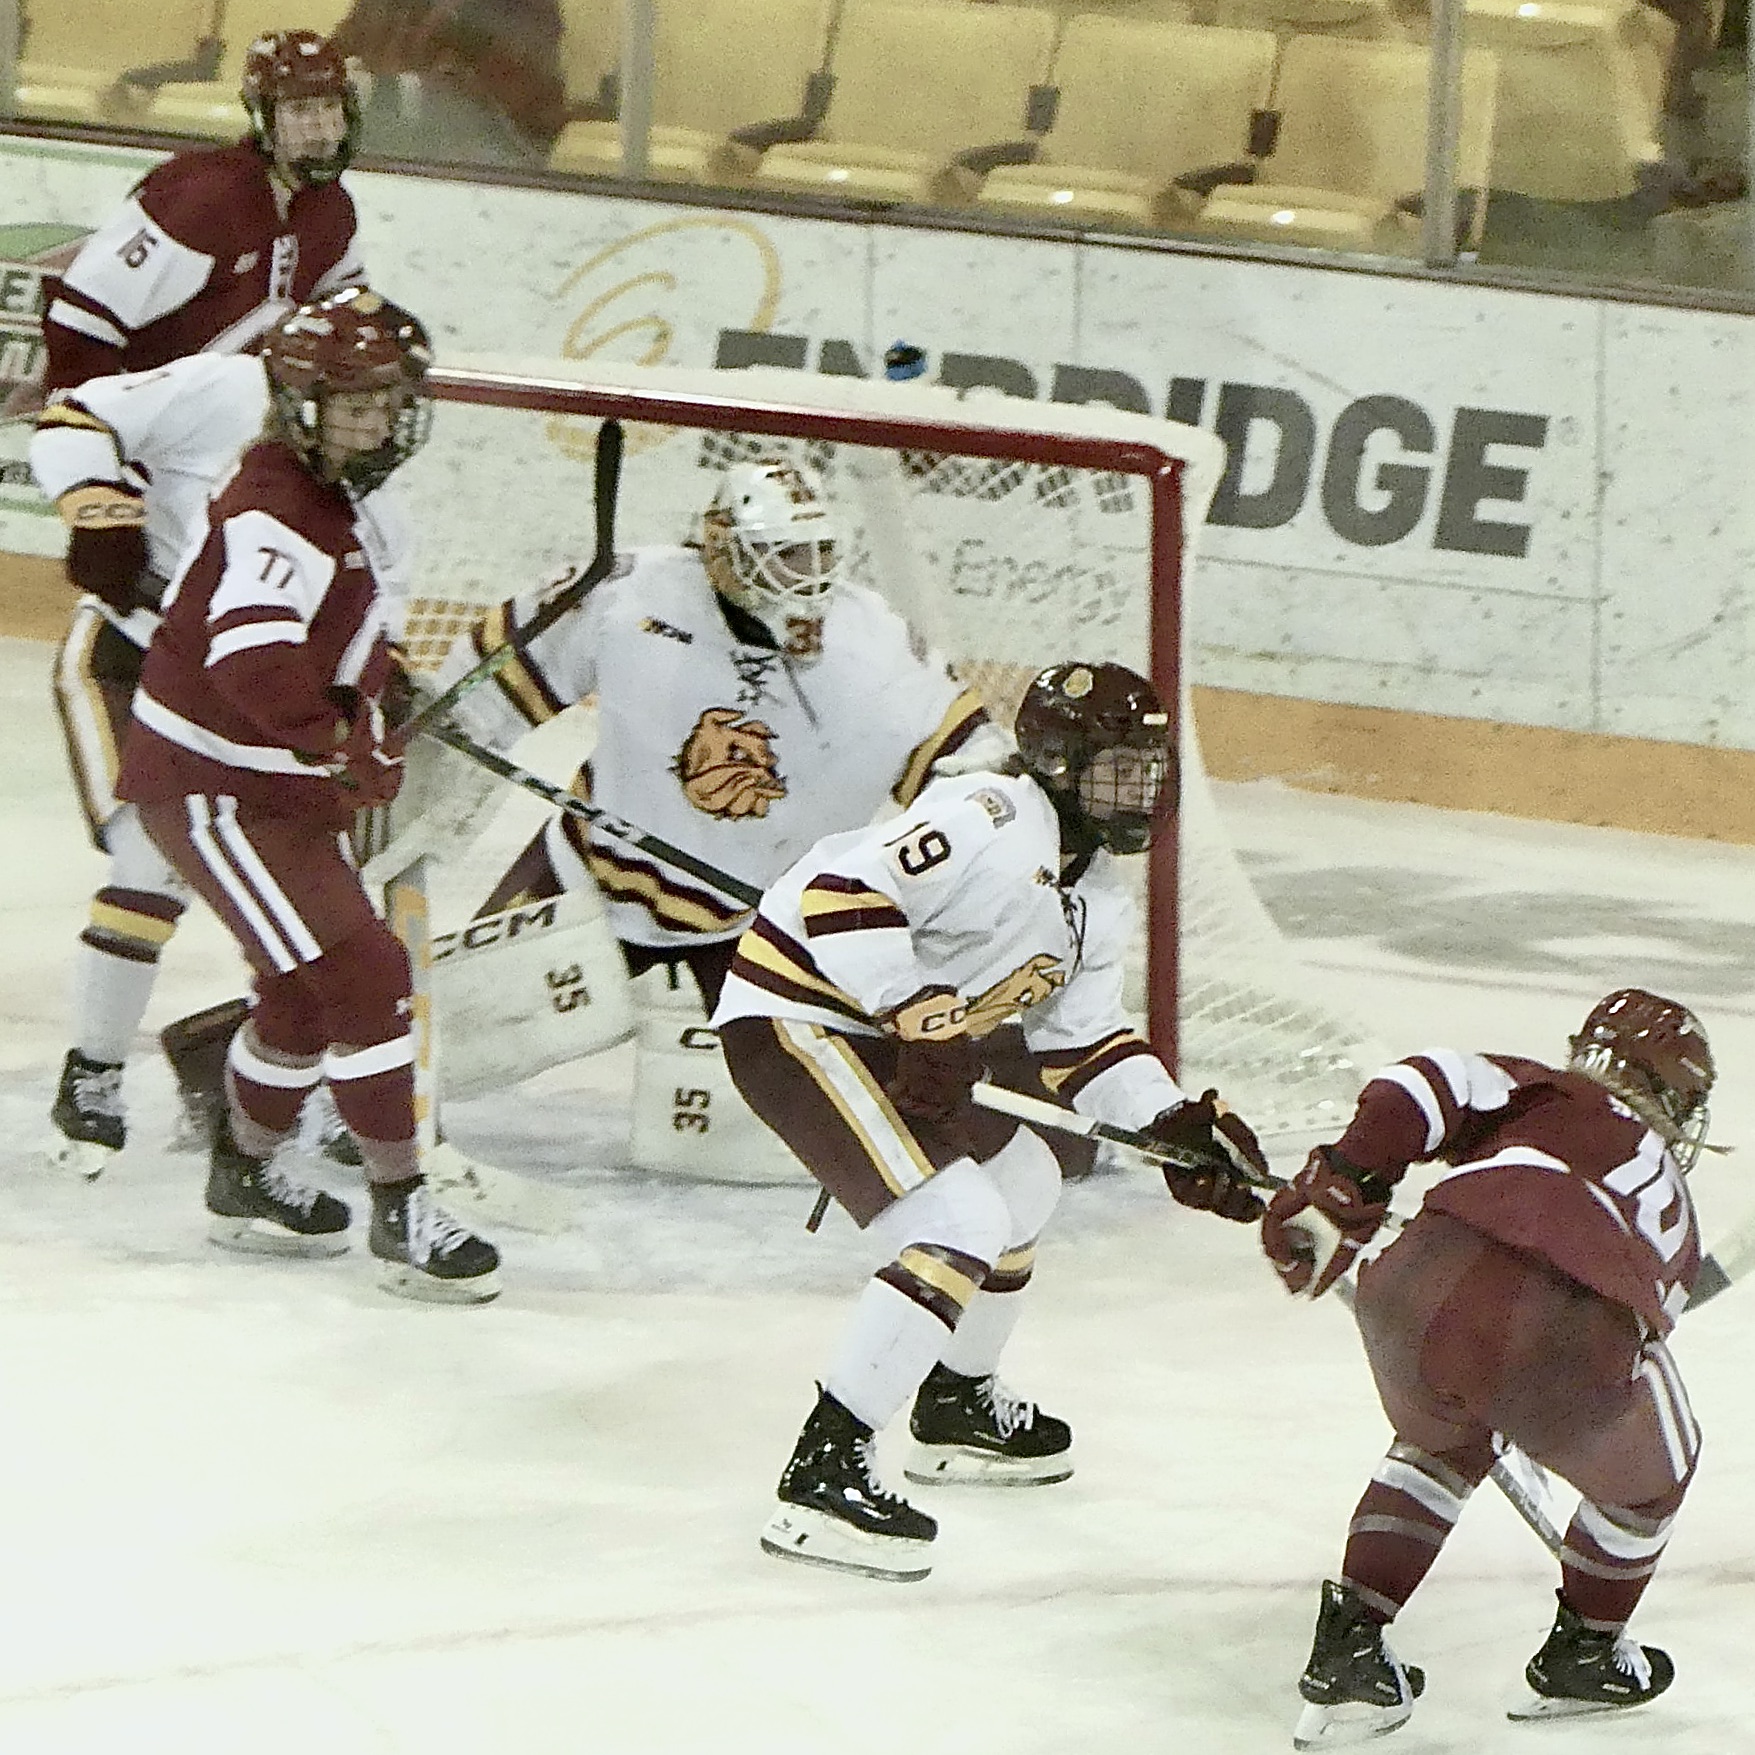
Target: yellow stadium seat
(915, 87)
(1352, 146)
(1580, 93)
(211, 108)
(1140, 104)
(1369, 19)
(74, 56)
(719, 65)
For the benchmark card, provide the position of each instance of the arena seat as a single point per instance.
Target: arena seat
(1581, 91)
(74, 58)
(719, 65)
(915, 87)
(211, 108)
(1350, 161)
(1139, 105)
(1369, 19)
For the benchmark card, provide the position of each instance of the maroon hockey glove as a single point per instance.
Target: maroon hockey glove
(1320, 1221)
(109, 563)
(931, 1086)
(937, 1063)
(1228, 1158)
(365, 763)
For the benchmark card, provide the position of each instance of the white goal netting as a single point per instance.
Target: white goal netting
(1062, 549)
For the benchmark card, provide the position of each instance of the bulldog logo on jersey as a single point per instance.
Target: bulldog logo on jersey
(1027, 985)
(727, 765)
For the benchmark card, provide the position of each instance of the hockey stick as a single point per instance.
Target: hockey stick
(1522, 1480)
(606, 481)
(608, 821)
(482, 1191)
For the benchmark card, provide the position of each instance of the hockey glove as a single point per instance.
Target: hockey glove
(365, 764)
(1320, 1220)
(937, 1063)
(1228, 1158)
(106, 543)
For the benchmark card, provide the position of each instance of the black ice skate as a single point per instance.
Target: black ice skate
(1355, 1685)
(834, 1513)
(972, 1429)
(424, 1251)
(1583, 1669)
(87, 1113)
(259, 1209)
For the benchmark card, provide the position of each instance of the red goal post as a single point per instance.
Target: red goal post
(1014, 533)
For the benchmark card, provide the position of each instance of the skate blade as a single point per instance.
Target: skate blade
(958, 1465)
(814, 1539)
(398, 1278)
(1540, 1707)
(1334, 1727)
(260, 1237)
(84, 1158)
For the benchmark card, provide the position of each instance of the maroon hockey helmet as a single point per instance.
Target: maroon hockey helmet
(286, 64)
(1097, 738)
(1653, 1055)
(353, 341)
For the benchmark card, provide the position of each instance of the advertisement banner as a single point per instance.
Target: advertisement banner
(1444, 499)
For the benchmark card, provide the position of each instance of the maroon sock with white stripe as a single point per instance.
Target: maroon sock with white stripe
(377, 1103)
(266, 1086)
(1403, 1518)
(1610, 1555)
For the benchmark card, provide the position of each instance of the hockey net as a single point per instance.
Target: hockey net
(1013, 534)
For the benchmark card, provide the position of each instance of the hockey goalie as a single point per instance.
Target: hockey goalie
(750, 699)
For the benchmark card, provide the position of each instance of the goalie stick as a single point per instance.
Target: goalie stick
(606, 481)
(608, 821)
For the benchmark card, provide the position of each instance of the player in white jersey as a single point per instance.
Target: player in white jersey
(856, 1020)
(749, 701)
(130, 461)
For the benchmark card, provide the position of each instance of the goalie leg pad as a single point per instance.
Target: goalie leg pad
(689, 1118)
(532, 987)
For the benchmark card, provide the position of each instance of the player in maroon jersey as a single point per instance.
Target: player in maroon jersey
(258, 733)
(215, 246)
(1530, 1297)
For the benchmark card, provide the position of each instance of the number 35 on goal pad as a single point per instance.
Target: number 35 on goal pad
(526, 989)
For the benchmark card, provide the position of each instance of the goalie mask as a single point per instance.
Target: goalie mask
(1097, 738)
(1653, 1055)
(347, 387)
(771, 545)
(303, 112)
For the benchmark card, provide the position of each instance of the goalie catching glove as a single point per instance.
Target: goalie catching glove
(1317, 1224)
(1228, 1158)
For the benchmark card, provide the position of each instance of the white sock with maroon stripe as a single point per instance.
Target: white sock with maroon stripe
(973, 1349)
(885, 1354)
(110, 996)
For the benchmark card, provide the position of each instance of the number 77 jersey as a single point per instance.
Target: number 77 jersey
(1546, 1161)
(962, 891)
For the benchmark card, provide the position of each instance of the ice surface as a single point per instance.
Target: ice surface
(261, 1507)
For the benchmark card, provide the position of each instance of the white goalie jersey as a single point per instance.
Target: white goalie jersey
(173, 436)
(724, 748)
(961, 891)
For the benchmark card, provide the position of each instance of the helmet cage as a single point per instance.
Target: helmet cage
(1073, 722)
(288, 64)
(303, 417)
(773, 546)
(1122, 800)
(353, 341)
(1652, 1054)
